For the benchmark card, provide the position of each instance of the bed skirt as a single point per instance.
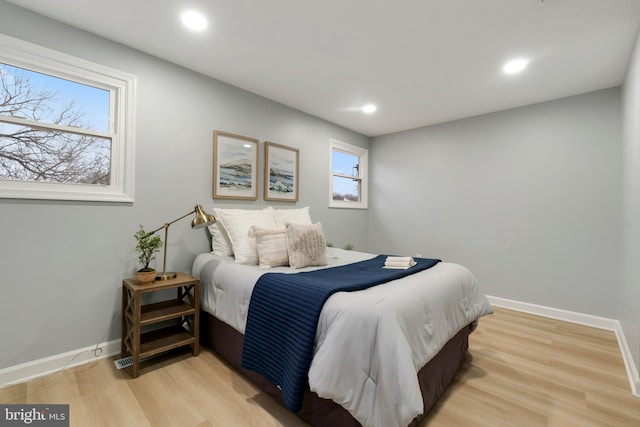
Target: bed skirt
(434, 377)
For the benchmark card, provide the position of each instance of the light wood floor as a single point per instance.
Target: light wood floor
(522, 371)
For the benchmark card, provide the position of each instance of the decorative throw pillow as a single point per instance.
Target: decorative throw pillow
(237, 223)
(294, 216)
(271, 245)
(306, 245)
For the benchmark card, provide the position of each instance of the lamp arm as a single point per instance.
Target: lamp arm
(178, 219)
(167, 224)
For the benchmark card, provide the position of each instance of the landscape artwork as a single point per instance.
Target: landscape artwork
(235, 166)
(281, 172)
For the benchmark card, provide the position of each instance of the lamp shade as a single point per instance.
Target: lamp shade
(202, 218)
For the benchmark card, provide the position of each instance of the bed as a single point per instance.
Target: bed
(382, 356)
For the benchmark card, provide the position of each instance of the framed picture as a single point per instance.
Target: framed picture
(235, 166)
(281, 170)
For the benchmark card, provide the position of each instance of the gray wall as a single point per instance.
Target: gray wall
(529, 199)
(62, 263)
(630, 292)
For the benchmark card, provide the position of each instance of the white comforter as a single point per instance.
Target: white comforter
(370, 344)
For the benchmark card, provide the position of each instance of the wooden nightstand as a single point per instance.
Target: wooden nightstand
(182, 315)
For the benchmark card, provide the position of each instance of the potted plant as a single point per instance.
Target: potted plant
(147, 245)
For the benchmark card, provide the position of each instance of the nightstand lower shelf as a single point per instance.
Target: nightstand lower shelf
(161, 340)
(165, 310)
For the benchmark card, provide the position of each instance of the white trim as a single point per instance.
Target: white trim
(582, 319)
(122, 87)
(49, 365)
(632, 372)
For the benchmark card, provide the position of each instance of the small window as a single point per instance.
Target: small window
(348, 180)
(65, 126)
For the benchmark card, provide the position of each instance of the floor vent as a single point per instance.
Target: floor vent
(124, 362)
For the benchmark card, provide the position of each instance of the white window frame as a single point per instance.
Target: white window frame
(122, 88)
(363, 166)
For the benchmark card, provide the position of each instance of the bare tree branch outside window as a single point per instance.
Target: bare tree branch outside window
(44, 137)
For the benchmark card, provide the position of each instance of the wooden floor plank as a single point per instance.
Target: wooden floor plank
(522, 370)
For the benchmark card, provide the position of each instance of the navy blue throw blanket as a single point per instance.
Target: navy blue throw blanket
(284, 312)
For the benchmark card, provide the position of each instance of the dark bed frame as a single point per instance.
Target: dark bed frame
(434, 377)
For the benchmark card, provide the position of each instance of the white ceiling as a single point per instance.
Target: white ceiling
(420, 61)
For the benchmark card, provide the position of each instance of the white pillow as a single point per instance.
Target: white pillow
(237, 223)
(294, 216)
(306, 245)
(271, 245)
(220, 242)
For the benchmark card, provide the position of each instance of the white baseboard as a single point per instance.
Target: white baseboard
(583, 319)
(48, 365)
(632, 372)
(556, 313)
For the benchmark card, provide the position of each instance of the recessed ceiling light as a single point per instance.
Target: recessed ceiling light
(369, 108)
(194, 20)
(515, 66)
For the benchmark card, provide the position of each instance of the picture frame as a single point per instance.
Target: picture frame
(281, 172)
(235, 166)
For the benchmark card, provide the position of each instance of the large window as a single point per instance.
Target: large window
(66, 126)
(348, 178)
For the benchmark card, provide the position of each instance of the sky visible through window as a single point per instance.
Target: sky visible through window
(344, 164)
(92, 101)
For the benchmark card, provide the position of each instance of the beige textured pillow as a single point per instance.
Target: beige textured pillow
(306, 245)
(271, 245)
